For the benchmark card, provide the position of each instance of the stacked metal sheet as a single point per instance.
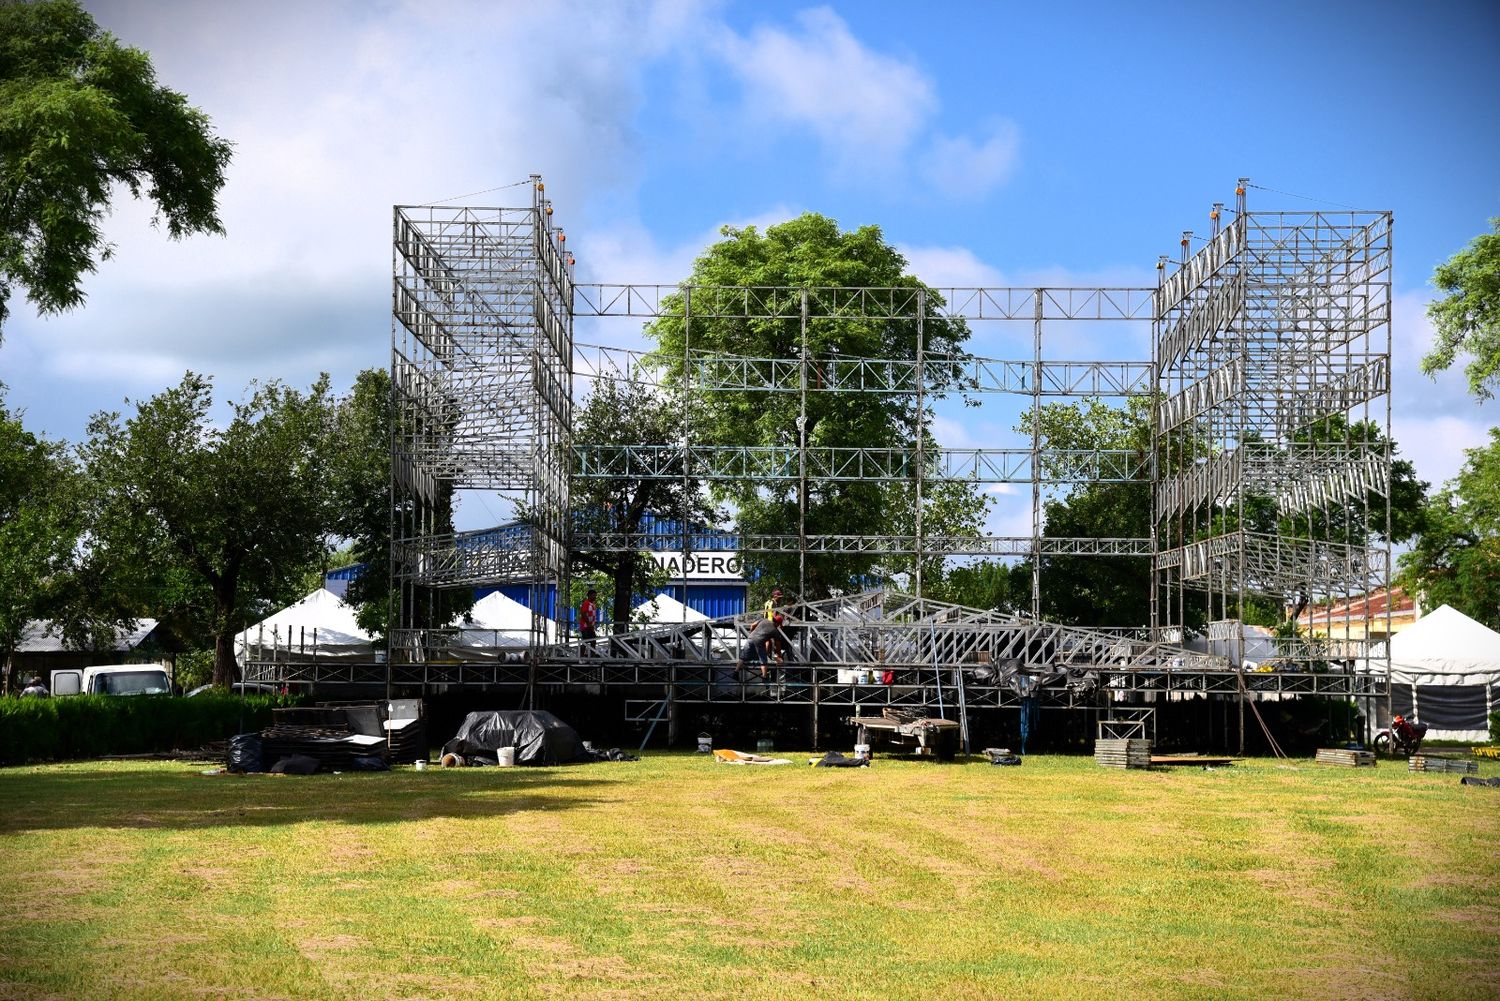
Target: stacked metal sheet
(1433, 763)
(325, 734)
(1123, 753)
(1349, 759)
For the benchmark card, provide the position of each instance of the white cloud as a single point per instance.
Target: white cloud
(1433, 418)
(1436, 445)
(820, 77)
(967, 168)
(950, 267)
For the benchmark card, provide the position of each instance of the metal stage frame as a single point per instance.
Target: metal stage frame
(1269, 466)
(837, 653)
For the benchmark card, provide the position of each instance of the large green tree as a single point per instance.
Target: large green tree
(1095, 590)
(360, 470)
(1456, 558)
(39, 525)
(1467, 318)
(811, 252)
(81, 114)
(219, 523)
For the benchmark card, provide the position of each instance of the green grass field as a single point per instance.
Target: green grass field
(678, 878)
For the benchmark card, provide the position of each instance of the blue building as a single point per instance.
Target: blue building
(708, 580)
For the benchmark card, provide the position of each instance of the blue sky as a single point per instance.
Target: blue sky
(994, 143)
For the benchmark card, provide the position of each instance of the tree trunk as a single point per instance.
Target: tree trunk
(226, 671)
(624, 576)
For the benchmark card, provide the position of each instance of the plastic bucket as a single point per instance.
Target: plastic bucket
(505, 757)
(421, 764)
(705, 743)
(861, 750)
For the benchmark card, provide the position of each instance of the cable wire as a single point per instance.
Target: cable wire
(502, 187)
(1308, 198)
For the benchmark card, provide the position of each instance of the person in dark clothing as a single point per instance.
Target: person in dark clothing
(758, 642)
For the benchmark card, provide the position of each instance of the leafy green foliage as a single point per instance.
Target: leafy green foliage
(986, 584)
(1093, 590)
(623, 413)
(39, 525)
(79, 114)
(1467, 318)
(1456, 558)
(808, 252)
(213, 524)
(86, 726)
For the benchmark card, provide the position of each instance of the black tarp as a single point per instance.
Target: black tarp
(539, 738)
(1452, 707)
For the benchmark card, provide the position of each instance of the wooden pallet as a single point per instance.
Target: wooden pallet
(1126, 753)
(1349, 759)
(1433, 763)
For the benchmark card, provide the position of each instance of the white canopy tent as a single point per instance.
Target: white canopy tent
(665, 610)
(497, 621)
(319, 625)
(1445, 670)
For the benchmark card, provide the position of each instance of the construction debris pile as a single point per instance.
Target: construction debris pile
(336, 736)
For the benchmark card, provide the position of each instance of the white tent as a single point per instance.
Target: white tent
(664, 610)
(318, 625)
(497, 621)
(1256, 645)
(1445, 669)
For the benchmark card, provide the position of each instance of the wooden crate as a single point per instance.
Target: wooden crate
(1126, 753)
(1432, 763)
(1349, 759)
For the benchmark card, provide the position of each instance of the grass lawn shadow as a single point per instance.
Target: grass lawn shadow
(61, 798)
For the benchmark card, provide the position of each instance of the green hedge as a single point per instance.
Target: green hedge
(87, 726)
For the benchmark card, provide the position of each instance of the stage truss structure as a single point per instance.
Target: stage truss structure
(1269, 471)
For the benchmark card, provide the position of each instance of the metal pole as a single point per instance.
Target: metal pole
(921, 427)
(1036, 457)
(802, 458)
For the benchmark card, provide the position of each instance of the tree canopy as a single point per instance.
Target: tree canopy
(217, 523)
(39, 526)
(1456, 558)
(79, 114)
(1467, 318)
(809, 252)
(625, 413)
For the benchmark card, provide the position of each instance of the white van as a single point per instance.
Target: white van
(113, 679)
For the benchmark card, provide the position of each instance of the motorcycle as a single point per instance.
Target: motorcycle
(1403, 737)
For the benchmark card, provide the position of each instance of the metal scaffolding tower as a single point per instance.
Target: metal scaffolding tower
(482, 391)
(1272, 424)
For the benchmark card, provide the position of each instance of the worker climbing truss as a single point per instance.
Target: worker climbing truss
(1270, 465)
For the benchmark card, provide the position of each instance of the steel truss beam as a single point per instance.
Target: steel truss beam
(788, 463)
(967, 374)
(785, 303)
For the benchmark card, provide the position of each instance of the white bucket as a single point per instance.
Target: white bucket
(421, 764)
(861, 750)
(505, 757)
(705, 743)
(862, 677)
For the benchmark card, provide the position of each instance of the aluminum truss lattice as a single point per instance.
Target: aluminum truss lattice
(1279, 324)
(1272, 423)
(482, 392)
